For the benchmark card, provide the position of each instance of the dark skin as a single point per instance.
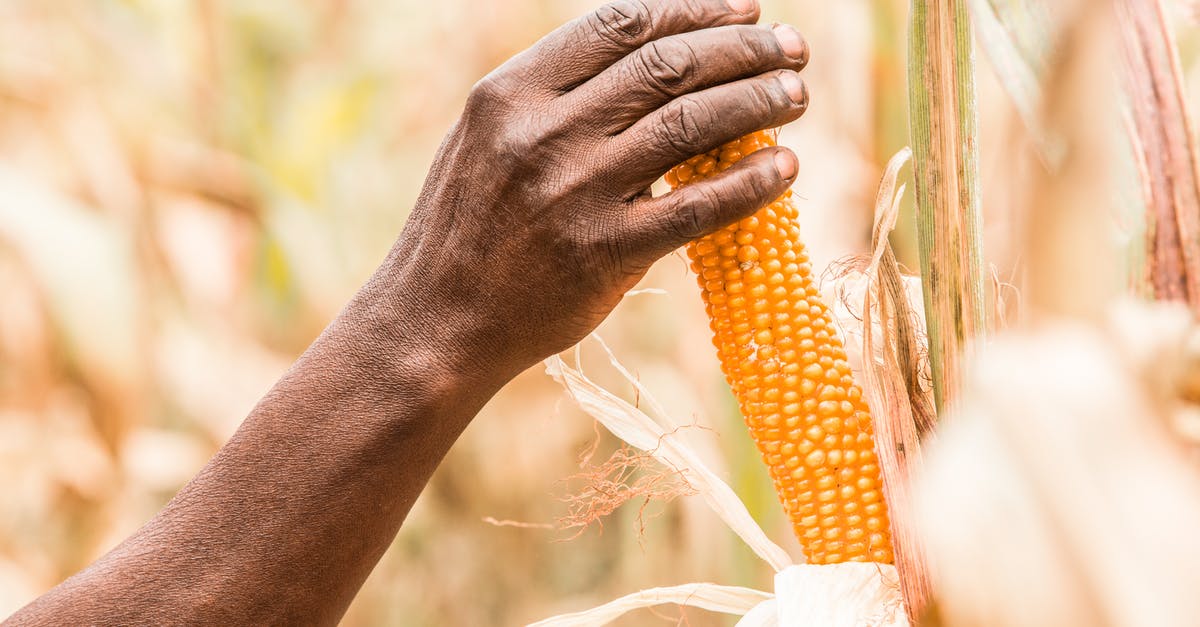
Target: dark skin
(533, 223)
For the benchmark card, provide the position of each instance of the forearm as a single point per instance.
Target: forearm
(534, 222)
(286, 522)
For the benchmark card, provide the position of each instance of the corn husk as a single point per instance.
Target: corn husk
(875, 296)
(712, 597)
(849, 595)
(840, 595)
(634, 427)
(901, 410)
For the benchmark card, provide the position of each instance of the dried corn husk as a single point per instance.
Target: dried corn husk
(878, 297)
(849, 595)
(639, 430)
(901, 410)
(726, 599)
(840, 595)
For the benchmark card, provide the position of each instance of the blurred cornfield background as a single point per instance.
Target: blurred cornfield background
(191, 189)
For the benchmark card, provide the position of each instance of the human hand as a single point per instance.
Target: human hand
(534, 221)
(536, 217)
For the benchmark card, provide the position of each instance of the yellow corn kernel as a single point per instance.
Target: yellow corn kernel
(787, 368)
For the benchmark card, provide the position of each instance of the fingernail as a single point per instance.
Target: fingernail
(792, 43)
(794, 86)
(786, 164)
(742, 6)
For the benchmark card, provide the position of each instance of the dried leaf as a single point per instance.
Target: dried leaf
(708, 596)
(894, 409)
(1167, 151)
(635, 428)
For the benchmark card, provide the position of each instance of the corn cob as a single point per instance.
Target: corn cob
(781, 355)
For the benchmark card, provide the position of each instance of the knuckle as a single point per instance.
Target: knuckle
(667, 64)
(486, 95)
(692, 217)
(604, 248)
(622, 22)
(685, 125)
(519, 144)
(753, 187)
(514, 145)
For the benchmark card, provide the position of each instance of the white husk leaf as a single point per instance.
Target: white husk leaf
(765, 614)
(853, 595)
(634, 427)
(709, 596)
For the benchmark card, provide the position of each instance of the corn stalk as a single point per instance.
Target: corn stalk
(944, 125)
(1165, 151)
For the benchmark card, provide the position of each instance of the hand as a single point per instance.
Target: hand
(536, 217)
(534, 221)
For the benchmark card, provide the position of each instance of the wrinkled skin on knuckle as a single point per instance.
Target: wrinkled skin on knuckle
(686, 125)
(753, 190)
(707, 10)
(516, 148)
(695, 215)
(530, 153)
(607, 251)
(488, 96)
(623, 23)
(666, 64)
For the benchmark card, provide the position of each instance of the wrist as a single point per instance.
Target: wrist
(404, 344)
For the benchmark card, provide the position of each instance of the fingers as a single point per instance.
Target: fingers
(671, 67)
(658, 226)
(702, 121)
(582, 49)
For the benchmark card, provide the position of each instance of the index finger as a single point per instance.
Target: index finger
(587, 46)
